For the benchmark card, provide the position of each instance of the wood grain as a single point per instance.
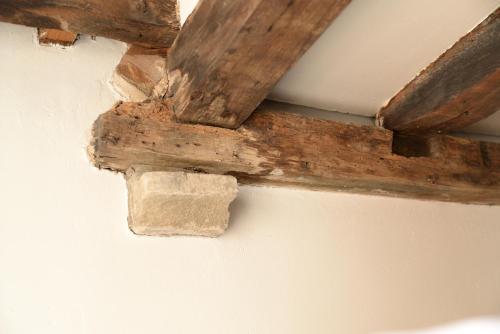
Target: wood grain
(55, 36)
(273, 147)
(460, 88)
(151, 23)
(144, 68)
(230, 54)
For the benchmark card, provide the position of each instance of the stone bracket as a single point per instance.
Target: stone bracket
(163, 203)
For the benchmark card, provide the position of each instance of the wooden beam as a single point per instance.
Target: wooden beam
(149, 23)
(274, 147)
(55, 36)
(458, 89)
(144, 68)
(229, 54)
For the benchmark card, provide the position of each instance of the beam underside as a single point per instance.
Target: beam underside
(278, 148)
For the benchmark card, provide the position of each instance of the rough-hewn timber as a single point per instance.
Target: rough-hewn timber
(153, 23)
(144, 68)
(284, 149)
(460, 88)
(56, 36)
(229, 54)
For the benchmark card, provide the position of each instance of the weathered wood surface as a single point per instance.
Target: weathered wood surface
(145, 22)
(458, 89)
(229, 54)
(144, 68)
(278, 148)
(55, 36)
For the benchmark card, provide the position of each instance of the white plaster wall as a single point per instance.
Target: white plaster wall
(292, 261)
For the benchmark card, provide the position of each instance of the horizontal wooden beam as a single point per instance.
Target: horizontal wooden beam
(460, 88)
(229, 54)
(151, 23)
(273, 147)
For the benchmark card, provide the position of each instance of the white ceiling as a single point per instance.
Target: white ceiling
(373, 49)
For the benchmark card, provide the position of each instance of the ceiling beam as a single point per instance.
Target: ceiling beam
(279, 148)
(229, 54)
(152, 23)
(458, 89)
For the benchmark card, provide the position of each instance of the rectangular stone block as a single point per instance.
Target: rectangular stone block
(178, 203)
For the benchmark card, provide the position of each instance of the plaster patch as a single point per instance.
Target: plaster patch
(126, 90)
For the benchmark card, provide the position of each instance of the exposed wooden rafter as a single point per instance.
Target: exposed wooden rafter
(460, 88)
(230, 54)
(149, 23)
(225, 61)
(278, 148)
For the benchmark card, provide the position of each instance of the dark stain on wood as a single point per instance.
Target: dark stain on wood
(411, 146)
(483, 147)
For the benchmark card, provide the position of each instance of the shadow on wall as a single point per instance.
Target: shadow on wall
(364, 264)
(483, 326)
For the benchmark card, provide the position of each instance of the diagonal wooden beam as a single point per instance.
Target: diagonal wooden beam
(458, 89)
(229, 54)
(151, 23)
(274, 147)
